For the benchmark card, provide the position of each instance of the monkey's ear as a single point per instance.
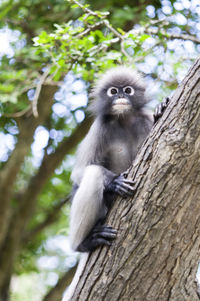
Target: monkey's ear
(93, 103)
(99, 103)
(98, 106)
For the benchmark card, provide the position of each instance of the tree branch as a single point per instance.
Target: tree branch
(37, 92)
(10, 234)
(107, 24)
(56, 293)
(171, 36)
(27, 125)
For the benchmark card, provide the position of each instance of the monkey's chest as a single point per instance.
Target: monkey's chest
(119, 156)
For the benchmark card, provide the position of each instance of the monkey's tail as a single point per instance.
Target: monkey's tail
(71, 289)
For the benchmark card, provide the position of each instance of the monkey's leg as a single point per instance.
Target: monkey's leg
(87, 205)
(120, 185)
(160, 108)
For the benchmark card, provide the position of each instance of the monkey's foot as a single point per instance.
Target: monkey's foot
(122, 186)
(160, 108)
(100, 235)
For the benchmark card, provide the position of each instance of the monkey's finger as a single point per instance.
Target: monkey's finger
(159, 110)
(105, 234)
(130, 182)
(166, 101)
(129, 189)
(127, 186)
(102, 241)
(121, 181)
(161, 107)
(110, 230)
(104, 230)
(124, 192)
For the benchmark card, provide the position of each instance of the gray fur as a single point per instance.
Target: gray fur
(89, 196)
(108, 149)
(118, 77)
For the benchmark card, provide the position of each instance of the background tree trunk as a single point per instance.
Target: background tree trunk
(155, 256)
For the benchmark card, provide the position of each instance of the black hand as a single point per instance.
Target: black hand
(121, 186)
(160, 108)
(100, 235)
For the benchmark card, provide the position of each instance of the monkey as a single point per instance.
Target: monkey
(121, 124)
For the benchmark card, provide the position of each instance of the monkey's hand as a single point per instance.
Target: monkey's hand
(121, 186)
(100, 235)
(160, 108)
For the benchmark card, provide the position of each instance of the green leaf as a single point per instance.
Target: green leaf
(144, 37)
(121, 31)
(7, 88)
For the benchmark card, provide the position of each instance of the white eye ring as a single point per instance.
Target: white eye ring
(129, 90)
(112, 91)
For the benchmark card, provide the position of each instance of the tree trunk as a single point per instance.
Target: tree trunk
(156, 253)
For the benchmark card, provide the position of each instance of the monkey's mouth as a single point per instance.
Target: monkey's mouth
(121, 106)
(121, 102)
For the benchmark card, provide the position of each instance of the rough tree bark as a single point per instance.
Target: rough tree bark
(157, 250)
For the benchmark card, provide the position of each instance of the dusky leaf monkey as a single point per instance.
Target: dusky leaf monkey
(121, 125)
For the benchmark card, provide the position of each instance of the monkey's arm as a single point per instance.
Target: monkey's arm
(88, 152)
(90, 204)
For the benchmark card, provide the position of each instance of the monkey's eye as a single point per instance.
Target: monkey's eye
(112, 91)
(129, 90)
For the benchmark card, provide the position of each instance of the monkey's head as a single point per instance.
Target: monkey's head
(120, 91)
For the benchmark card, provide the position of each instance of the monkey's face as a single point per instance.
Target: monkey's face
(120, 99)
(120, 91)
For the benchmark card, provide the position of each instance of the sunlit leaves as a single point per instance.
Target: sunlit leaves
(78, 43)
